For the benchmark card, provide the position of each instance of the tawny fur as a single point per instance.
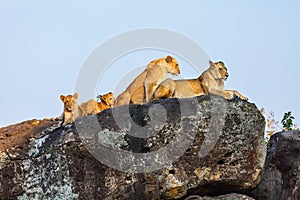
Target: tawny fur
(94, 107)
(211, 81)
(142, 88)
(71, 109)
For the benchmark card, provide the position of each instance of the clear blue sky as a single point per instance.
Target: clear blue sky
(44, 44)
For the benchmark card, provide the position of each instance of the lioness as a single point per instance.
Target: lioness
(71, 108)
(94, 107)
(141, 89)
(211, 81)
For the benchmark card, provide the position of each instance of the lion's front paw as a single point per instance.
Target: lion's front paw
(241, 96)
(228, 95)
(244, 98)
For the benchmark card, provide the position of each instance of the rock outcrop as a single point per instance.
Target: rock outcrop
(169, 149)
(281, 177)
(232, 196)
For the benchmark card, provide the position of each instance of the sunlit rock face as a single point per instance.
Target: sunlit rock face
(169, 149)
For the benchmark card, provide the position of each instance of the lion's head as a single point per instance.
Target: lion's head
(170, 63)
(69, 101)
(108, 98)
(218, 70)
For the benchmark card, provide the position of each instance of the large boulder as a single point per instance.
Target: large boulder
(281, 177)
(231, 196)
(169, 149)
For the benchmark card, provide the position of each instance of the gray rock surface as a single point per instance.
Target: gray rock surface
(198, 146)
(281, 177)
(232, 196)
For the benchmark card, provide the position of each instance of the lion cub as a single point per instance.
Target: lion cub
(211, 81)
(142, 88)
(94, 107)
(71, 108)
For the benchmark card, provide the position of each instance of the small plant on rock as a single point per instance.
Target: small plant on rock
(273, 126)
(99, 97)
(287, 121)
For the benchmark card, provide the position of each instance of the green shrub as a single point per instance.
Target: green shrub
(287, 121)
(273, 125)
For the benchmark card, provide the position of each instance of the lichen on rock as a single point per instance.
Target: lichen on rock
(201, 146)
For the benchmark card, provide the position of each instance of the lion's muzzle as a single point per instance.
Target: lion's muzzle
(226, 76)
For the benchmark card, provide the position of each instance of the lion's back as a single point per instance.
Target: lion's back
(188, 88)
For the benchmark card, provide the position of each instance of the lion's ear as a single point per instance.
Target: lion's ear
(75, 95)
(211, 63)
(169, 59)
(62, 98)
